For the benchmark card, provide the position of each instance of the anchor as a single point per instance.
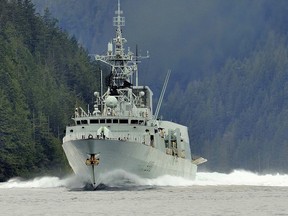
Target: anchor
(93, 161)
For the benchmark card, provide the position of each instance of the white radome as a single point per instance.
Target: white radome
(111, 101)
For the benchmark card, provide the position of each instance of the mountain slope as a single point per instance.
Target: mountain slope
(238, 117)
(43, 74)
(229, 63)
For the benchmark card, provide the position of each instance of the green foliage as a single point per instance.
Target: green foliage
(237, 112)
(41, 70)
(238, 118)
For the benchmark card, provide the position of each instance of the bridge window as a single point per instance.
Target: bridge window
(102, 121)
(115, 121)
(134, 121)
(123, 121)
(94, 121)
(84, 121)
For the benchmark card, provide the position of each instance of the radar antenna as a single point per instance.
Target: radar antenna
(123, 65)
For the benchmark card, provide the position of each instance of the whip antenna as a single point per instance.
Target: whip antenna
(162, 94)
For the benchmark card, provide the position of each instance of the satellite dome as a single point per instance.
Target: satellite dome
(96, 94)
(111, 101)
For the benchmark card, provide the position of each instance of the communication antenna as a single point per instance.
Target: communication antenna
(162, 95)
(101, 90)
(136, 65)
(101, 80)
(119, 21)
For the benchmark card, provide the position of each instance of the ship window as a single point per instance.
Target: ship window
(102, 121)
(115, 121)
(123, 121)
(141, 122)
(94, 121)
(133, 121)
(71, 131)
(84, 121)
(78, 122)
(109, 121)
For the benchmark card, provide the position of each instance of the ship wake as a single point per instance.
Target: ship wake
(43, 182)
(121, 180)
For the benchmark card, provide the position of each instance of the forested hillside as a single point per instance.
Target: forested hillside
(43, 75)
(229, 82)
(239, 117)
(230, 70)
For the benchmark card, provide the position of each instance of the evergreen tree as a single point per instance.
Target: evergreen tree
(42, 73)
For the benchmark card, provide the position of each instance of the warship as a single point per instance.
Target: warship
(122, 132)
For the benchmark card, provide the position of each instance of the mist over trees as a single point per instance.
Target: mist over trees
(193, 38)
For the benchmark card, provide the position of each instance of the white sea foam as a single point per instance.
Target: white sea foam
(42, 182)
(121, 178)
(241, 177)
(237, 177)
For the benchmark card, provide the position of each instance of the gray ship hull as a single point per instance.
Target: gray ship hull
(135, 158)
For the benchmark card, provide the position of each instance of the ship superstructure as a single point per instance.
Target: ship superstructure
(121, 133)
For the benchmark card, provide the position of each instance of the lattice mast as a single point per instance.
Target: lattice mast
(123, 64)
(119, 41)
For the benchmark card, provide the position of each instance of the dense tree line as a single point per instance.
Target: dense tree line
(230, 90)
(44, 73)
(237, 117)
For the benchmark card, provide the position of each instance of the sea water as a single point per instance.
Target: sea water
(217, 194)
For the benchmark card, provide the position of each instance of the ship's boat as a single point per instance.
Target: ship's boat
(122, 132)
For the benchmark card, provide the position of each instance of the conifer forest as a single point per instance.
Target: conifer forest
(229, 81)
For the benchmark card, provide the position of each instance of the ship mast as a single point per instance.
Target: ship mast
(119, 41)
(122, 63)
